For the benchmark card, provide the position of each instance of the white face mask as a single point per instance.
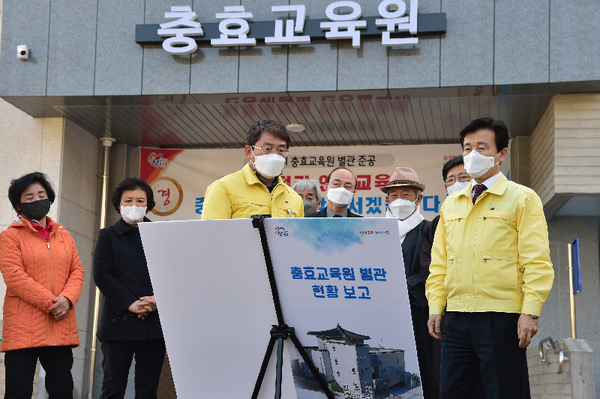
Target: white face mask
(402, 208)
(133, 214)
(269, 165)
(459, 185)
(477, 165)
(339, 196)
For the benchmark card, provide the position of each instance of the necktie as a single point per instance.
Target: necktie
(337, 215)
(477, 190)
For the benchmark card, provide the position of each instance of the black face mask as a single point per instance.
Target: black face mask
(35, 210)
(309, 207)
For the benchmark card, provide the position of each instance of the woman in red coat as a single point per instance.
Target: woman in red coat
(44, 277)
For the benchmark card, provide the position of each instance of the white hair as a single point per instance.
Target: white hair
(307, 185)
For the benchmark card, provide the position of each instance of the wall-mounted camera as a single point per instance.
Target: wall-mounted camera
(22, 52)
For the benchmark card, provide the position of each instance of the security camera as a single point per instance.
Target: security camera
(22, 52)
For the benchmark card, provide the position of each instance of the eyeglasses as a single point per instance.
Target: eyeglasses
(450, 180)
(269, 150)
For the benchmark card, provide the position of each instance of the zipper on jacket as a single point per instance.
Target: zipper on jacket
(51, 267)
(273, 208)
(287, 210)
(52, 277)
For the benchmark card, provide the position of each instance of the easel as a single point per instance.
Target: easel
(281, 331)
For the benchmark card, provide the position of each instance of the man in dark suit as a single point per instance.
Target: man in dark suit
(341, 186)
(404, 194)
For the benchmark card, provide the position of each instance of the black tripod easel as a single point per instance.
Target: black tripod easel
(281, 331)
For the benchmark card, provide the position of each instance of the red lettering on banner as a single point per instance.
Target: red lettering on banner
(165, 193)
(286, 99)
(267, 100)
(363, 182)
(167, 98)
(301, 177)
(249, 99)
(346, 97)
(365, 97)
(232, 100)
(324, 98)
(303, 99)
(382, 180)
(386, 97)
(478, 91)
(323, 181)
(287, 179)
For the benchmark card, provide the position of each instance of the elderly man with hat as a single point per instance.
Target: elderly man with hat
(404, 193)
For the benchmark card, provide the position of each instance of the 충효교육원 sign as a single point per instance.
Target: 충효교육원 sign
(397, 25)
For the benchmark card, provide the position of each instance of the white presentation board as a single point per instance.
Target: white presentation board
(342, 287)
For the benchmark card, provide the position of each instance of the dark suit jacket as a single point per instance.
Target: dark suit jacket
(411, 252)
(121, 274)
(425, 258)
(323, 214)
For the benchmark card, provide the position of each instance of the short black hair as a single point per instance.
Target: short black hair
(341, 167)
(450, 164)
(129, 184)
(17, 186)
(496, 125)
(270, 126)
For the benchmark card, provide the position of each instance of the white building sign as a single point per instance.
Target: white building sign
(179, 31)
(398, 24)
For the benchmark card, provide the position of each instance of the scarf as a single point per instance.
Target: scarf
(407, 225)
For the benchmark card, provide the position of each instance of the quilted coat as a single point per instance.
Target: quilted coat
(35, 272)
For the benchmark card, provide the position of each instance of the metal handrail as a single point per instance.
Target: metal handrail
(106, 143)
(549, 343)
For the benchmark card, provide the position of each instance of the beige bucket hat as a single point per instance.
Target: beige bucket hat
(404, 177)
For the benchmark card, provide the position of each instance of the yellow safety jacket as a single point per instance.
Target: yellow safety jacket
(493, 256)
(241, 194)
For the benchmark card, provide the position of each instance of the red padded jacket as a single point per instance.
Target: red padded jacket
(35, 272)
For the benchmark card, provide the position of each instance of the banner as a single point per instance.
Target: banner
(342, 287)
(179, 178)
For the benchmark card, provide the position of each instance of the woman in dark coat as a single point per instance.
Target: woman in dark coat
(129, 322)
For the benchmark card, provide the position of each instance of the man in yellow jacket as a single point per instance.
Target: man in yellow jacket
(256, 189)
(490, 272)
